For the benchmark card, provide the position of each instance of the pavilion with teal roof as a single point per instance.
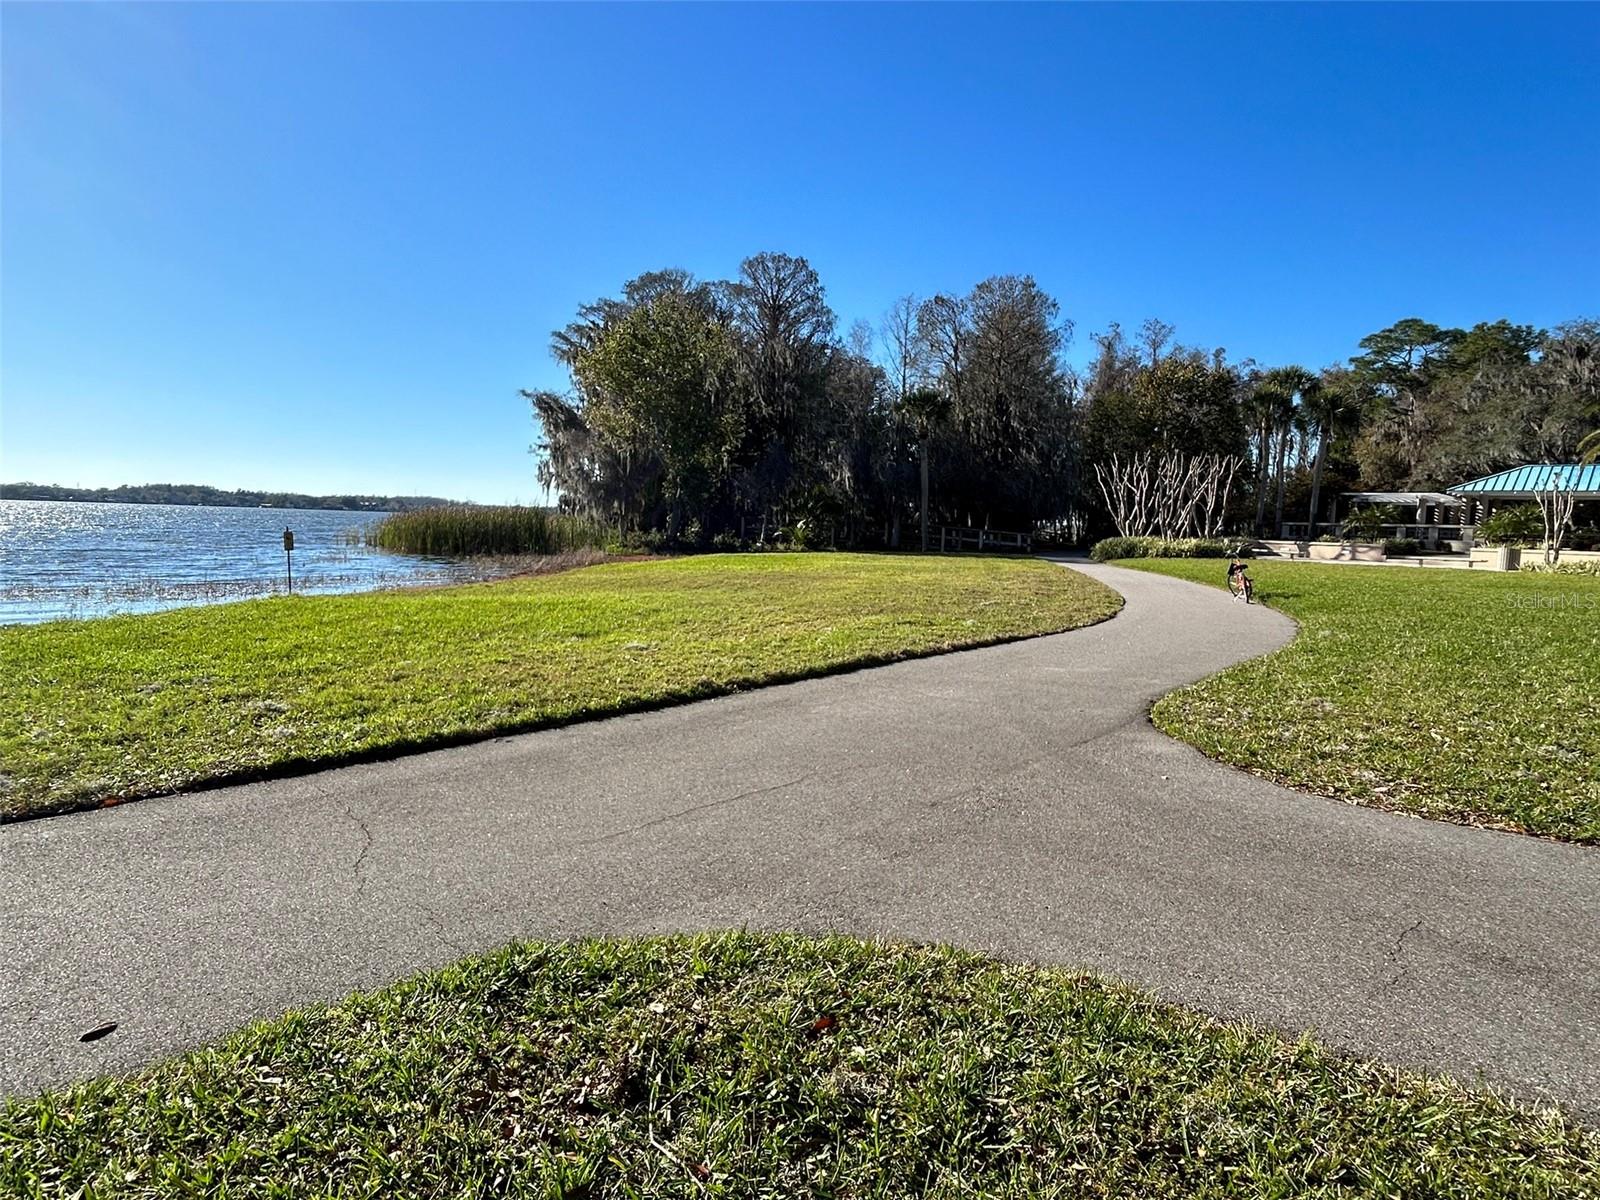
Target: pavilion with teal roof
(1521, 485)
(1524, 483)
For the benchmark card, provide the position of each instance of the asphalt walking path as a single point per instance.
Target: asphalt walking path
(1013, 800)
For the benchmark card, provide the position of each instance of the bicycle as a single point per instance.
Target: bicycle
(1240, 585)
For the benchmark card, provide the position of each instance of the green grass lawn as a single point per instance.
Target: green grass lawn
(744, 1065)
(1462, 695)
(119, 708)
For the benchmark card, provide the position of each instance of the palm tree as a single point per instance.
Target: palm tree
(926, 409)
(1330, 408)
(1262, 407)
(1287, 383)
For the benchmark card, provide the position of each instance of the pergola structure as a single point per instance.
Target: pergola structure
(1430, 517)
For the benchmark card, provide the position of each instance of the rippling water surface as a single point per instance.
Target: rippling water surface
(65, 559)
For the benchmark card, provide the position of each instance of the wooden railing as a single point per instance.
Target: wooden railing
(958, 537)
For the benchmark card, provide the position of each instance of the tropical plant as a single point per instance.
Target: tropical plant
(1366, 524)
(1521, 525)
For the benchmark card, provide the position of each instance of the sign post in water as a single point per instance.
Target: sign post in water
(288, 556)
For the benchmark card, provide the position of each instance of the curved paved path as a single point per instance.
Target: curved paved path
(1013, 799)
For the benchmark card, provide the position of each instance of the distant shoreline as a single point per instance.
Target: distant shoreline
(192, 495)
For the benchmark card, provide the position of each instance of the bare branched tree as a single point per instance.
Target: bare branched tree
(1154, 335)
(904, 353)
(1174, 496)
(1557, 499)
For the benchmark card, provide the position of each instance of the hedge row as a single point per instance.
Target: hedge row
(1154, 547)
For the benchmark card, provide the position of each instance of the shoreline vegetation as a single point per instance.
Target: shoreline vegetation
(461, 531)
(195, 494)
(122, 708)
(742, 1064)
(1462, 696)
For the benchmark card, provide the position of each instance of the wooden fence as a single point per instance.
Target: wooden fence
(957, 537)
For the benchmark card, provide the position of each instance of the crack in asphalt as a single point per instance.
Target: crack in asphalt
(361, 857)
(1395, 952)
(696, 808)
(432, 918)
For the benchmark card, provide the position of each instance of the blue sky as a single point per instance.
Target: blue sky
(321, 247)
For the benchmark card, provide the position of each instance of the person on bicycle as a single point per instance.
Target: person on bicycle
(1239, 581)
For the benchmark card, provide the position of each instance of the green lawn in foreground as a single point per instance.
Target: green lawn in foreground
(743, 1065)
(1463, 695)
(124, 707)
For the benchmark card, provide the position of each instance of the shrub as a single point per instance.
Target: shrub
(1401, 547)
(1329, 537)
(1111, 548)
(1564, 568)
(797, 536)
(1520, 526)
(1584, 539)
(647, 541)
(461, 530)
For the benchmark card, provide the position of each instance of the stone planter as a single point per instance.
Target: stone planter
(1496, 558)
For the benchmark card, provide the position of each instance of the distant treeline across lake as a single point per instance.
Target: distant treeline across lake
(197, 493)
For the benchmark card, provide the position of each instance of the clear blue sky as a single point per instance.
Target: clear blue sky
(321, 247)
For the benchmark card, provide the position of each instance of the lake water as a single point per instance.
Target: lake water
(64, 559)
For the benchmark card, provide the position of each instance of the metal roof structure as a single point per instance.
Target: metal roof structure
(1536, 477)
(1411, 499)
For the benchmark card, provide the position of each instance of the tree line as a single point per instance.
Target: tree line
(733, 411)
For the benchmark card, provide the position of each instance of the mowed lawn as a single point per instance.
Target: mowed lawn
(93, 712)
(745, 1065)
(1462, 695)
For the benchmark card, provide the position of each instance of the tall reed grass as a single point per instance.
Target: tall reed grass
(469, 530)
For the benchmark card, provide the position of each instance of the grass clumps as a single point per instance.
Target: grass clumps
(739, 1065)
(124, 707)
(489, 530)
(1461, 695)
(1112, 548)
